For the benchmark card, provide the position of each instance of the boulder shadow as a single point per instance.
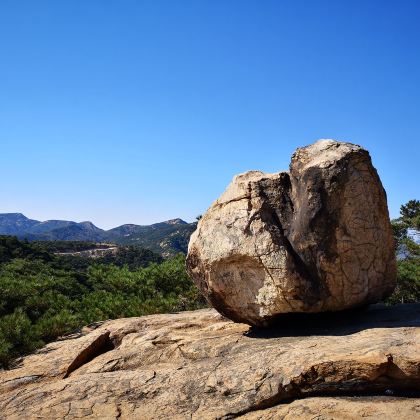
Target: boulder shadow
(340, 323)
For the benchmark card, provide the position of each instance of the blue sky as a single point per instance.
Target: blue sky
(141, 111)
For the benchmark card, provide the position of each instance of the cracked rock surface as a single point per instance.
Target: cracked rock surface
(199, 365)
(314, 239)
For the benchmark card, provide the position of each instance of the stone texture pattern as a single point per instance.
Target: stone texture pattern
(328, 408)
(317, 238)
(199, 365)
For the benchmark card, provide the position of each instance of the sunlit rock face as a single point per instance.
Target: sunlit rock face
(317, 238)
(200, 366)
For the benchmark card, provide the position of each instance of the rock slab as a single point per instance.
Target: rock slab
(199, 365)
(314, 239)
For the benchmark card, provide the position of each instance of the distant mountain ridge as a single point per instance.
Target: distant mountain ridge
(167, 238)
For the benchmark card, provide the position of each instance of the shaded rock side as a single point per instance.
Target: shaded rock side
(317, 238)
(199, 365)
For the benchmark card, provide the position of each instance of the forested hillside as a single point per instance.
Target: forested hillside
(44, 295)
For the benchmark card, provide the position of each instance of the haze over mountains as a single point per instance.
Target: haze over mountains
(167, 238)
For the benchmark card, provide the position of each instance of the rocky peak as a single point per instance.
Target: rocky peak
(176, 222)
(14, 216)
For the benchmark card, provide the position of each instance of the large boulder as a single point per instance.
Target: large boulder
(314, 239)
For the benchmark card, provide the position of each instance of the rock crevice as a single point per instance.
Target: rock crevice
(99, 345)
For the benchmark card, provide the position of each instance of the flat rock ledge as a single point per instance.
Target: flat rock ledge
(199, 365)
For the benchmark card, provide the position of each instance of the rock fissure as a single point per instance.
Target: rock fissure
(303, 387)
(98, 346)
(299, 264)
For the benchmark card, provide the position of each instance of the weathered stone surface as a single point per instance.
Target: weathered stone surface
(328, 408)
(198, 365)
(315, 239)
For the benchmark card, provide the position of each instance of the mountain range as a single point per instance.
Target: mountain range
(167, 238)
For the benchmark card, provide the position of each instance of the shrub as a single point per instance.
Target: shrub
(17, 336)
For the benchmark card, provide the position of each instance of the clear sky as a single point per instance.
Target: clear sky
(141, 111)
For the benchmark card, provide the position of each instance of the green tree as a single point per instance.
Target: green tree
(410, 210)
(17, 336)
(408, 269)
